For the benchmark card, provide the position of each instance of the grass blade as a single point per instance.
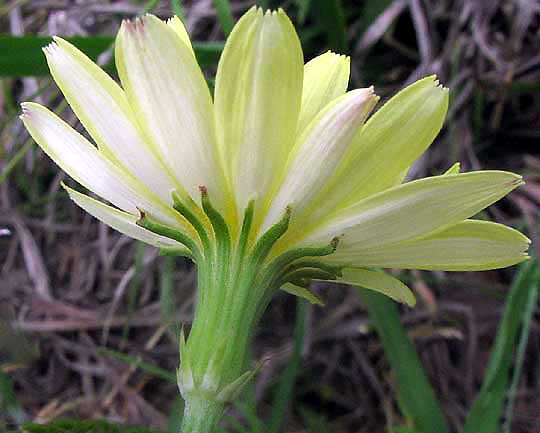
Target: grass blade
(331, 17)
(520, 357)
(9, 405)
(303, 9)
(21, 56)
(284, 393)
(177, 8)
(415, 394)
(224, 14)
(486, 410)
(137, 362)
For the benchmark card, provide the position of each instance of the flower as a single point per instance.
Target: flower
(282, 177)
(278, 132)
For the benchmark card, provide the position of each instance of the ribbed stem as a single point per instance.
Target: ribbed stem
(236, 280)
(201, 414)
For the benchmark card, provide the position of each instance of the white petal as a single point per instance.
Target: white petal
(467, 246)
(83, 162)
(168, 92)
(325, 78)
(102, 107)
(123, 222)
(257, 100)
(319, 150)
(178, 26)
(417, 208)
(390, 141)
(380, 282)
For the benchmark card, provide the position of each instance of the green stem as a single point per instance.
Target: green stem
(201, 414)
(236, 281)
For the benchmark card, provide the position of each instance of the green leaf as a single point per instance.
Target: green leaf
(415, 395)
(486, 410)
(22, 56)
(284, 392)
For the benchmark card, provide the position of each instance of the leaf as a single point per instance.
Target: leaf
(415, 395)
(486, 410)
(22, 56)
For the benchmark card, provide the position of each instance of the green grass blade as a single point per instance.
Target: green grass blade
(303, 9)
(177, 8)
(137, 362)
(166, 290)
(175, 417)
(486, 410)
(9, 405)
(224, 14)
(520, 357)
(284, 393)
(415, 395)
(331, 17)
(90, 426)
(21, 56)
(150, 5)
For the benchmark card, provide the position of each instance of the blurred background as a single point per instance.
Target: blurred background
(89, 318)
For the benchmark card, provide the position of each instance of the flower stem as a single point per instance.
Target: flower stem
(201, 414)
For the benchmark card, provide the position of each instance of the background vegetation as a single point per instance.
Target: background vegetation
(89, 318)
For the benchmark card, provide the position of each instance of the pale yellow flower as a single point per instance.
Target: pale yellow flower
(279, 133)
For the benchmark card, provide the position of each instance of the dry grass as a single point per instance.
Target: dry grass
(70, 286)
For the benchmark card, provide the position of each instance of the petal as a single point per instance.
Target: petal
(168, 92)
(84, 163)
(102, 108)
(121, 221)
(467, 246)
(301, 292)
(380, 282)
(319, 151)
(390, 141)
(326, 78)
(257, 101)
(180, 29)
(455, 169)
(418, 208)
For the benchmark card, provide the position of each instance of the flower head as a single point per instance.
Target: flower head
(282, 157)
